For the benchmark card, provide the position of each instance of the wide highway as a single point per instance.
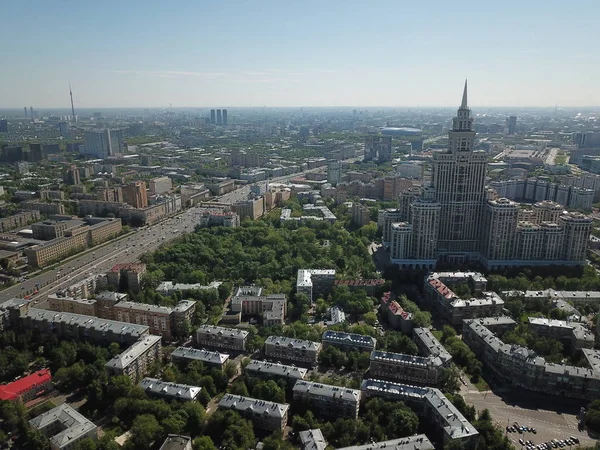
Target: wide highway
(119, 251)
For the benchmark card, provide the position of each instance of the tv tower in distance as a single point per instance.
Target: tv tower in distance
(72, 106)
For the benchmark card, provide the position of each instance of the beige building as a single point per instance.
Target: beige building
(252, 209)
(328, 401)
(61, 303)
(160, 185)
(361, 215)
(221, 337)
(94, 232)
(136, 360)
(135, 194)
(249, 302)
(126, 276)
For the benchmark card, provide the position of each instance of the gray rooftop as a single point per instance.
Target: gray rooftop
(593, 358)
(74, 424)
(305, 275)
(275, 369)
(433, 346)
(135, 306)
(131, 354)
(312, 439)
(90, 322)
(418, 442)
(349, 338)
(176, 442)
(283, 341)
(168, 389)
(402, 358)
(200, 355)
(222, 331)
(262, 407)
(326, 390)
(183, 306)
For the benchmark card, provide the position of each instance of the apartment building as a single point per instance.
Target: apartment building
(291, 349)
(370, 286)
(158, 318)
(275, 370)
(312, 439)
(219, 218)
(135, 361)
(80, 327)
(574, 334)
(416, 442)
(521, 367)
(498, 325)
(361, 215)
(221, 337)
(43, 208)
(348, 341)
(126, 276)
(328, 401)
(453, 309)
(574, 297)
(105, 302)
(265, 415)
(188, 354)
(28, 387)
(252, 209)
(408, 368)
(445, 421)
(170, 391)
(428, 345)
(160, 185)
(95, 231)
(395, 315)
(18, 220)
(61, 303)
(315, 282)
(135, 194)
(64, 426)
(249, 302)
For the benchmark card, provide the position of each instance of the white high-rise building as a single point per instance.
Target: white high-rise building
(103, 143)
(457, 219)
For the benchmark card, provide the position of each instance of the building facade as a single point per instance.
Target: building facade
(265, 415)
(291, 349)
(221, 337)
(328, 401)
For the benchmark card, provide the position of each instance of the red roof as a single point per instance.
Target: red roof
(374, 282)
(12, 391)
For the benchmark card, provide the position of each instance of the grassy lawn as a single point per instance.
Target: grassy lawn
(482, 385)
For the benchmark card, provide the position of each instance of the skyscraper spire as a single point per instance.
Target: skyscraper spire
(72, 106)
(463, 105)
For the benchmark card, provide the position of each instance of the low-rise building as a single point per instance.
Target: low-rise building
(328, 401)
(574, 334)
(275, 370)
(312, 439)
(209, 358)
(401, 367)
(170, 391)
(498, 325)
(349, 341)
(64, 427)
(417, 442)
(126, 276)
(169, 288)
(177, 442)
(158, 318)
(445, 421)
(219, 218)
(28, 387)
(263, 414)
(430, 346)
(135, 361)
(221, 337)
(291, 349)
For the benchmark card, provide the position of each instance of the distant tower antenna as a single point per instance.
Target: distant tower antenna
(72, 106)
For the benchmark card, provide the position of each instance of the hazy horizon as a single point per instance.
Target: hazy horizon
(147, 54)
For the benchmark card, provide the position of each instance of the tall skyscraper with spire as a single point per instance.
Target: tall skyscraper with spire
(74, 118)
(456, 219)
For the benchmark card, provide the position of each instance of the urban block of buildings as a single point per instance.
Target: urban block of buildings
(431, 405)
(162, 320)
(417, 442)
(453, 309)
(207, 357)
(395, 315)
(249, 301)
(64, 427)
(68, 236)
(220, 337)
(263, 414)
(328, 401)
(455, 219)
(575, 335)
(312, 439)
(169, 288)
(170, 391)
(275, 370)
(292, 349)
(315, 282)
(136, 360)
(311, 212)
(522, 367)
(533, 190)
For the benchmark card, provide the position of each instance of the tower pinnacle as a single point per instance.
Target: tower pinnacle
(464, 98)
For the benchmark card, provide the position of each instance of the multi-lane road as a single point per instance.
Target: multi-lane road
(120, 251)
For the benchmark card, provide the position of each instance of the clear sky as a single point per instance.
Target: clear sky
(299, 53)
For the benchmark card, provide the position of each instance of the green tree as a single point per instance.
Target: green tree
(144, 432)
(203, 443)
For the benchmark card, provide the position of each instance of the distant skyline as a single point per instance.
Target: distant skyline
(313, 53)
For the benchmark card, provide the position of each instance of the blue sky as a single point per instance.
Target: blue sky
(300, 53)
